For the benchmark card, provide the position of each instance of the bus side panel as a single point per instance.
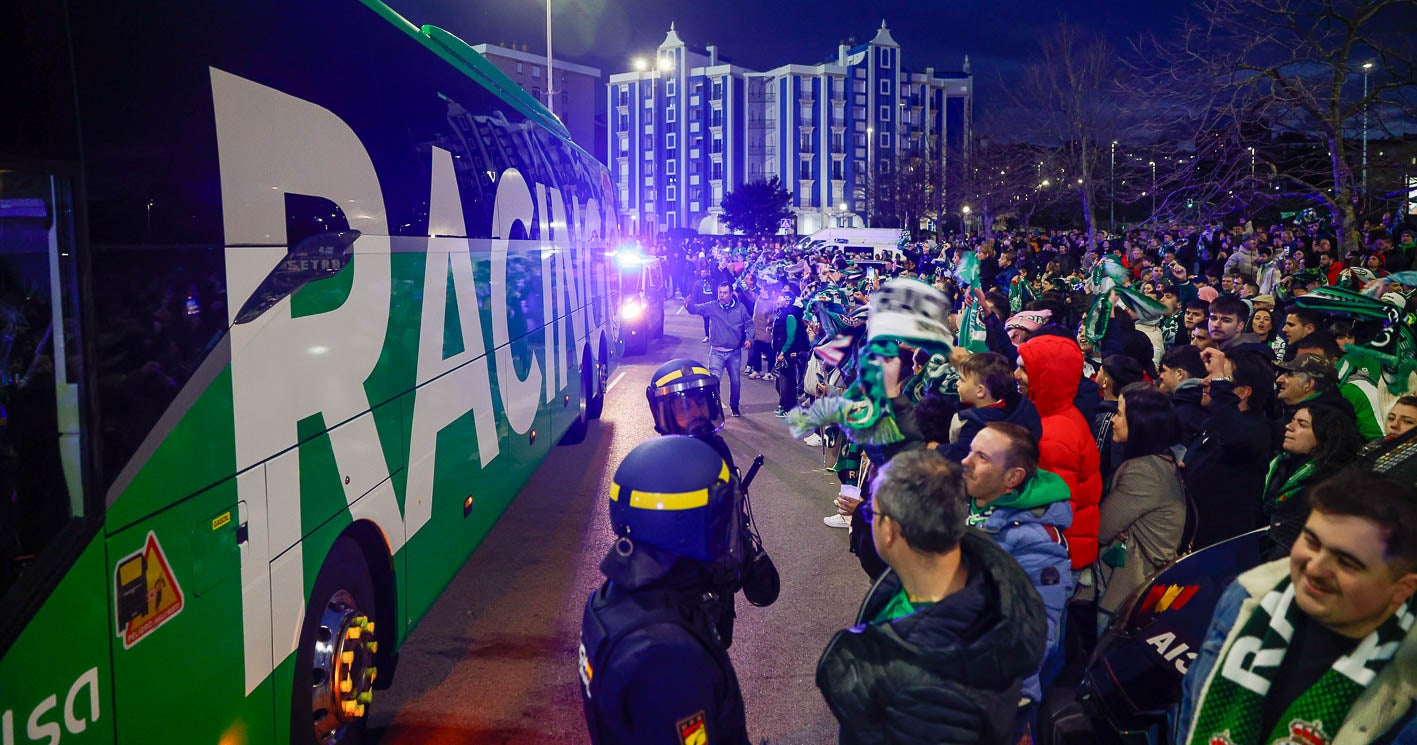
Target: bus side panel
(57, 678)
(447, 462)
(175, 666)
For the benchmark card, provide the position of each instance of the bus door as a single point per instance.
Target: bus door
(55, 620)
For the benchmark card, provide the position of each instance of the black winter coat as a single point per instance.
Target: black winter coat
(1190, 413)
(1109, 452)
(1225, 467)
(950, 672)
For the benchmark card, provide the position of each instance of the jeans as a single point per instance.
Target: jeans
(730, 361)
(760, 357)
(789, 383)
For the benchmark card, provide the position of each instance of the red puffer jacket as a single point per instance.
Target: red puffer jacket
(1054, 367)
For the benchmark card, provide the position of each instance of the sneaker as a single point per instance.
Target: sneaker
(836, 521)
(769, 377)
(736, 412)
(705, 340)
(753, 375)
(812, 440)
(781, 413)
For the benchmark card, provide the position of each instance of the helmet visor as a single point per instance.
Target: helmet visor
(693, 412)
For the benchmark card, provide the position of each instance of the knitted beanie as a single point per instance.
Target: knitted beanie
(911, 311)
(1029, 320)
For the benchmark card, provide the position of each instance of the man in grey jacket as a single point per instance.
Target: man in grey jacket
(730, 332)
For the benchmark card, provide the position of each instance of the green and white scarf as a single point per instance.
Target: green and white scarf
(864, 411)
(1293, 485)
(1169, 326)
(1231, 705)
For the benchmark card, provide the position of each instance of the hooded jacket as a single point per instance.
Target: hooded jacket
(1029, 525)
(948, 673)
(729, 325)
(1054, 367)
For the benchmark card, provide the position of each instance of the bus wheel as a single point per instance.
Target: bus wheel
(334, 672)
(596, 394)
(576, 434)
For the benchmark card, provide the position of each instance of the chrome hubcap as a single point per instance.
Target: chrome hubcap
(343, 672)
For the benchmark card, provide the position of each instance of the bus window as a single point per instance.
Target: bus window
(40, 474)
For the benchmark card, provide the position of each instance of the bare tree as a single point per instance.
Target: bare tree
(1004, 180)
(1262, 100)
(917, 185)
(1075, 112)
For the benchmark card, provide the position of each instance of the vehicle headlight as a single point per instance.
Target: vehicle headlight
(632, 309)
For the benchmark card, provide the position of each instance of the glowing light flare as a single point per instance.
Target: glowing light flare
(632, 309)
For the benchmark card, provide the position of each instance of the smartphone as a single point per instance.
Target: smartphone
(870, 272)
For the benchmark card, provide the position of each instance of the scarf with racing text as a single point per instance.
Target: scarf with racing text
(1231, 705)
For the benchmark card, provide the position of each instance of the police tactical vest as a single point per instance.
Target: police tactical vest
(612, 614)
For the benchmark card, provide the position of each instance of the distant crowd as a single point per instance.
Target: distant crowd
(1105, 407)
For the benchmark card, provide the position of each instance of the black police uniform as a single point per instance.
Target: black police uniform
(720, 446)
(653, 668)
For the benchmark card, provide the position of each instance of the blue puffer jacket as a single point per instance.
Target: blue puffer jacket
(1029, 525)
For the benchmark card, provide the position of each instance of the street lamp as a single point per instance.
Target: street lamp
(1252, 166)
(841, 218)
(870, 171)
(964, 219)
(1152, 163)
(1367, 67)
(1112, 187)
(550, 79)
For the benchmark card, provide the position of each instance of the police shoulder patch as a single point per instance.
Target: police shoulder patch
(692, 730)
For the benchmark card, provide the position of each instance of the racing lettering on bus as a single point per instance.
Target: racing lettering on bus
(271, 144)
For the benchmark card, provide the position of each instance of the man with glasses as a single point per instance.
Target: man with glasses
(909, 670)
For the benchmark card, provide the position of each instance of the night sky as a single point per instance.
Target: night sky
(1000, 36)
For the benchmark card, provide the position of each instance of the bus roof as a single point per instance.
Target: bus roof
(461, 55)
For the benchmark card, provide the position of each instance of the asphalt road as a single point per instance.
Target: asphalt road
(494, 661)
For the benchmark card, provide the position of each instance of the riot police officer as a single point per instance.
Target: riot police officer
(683, 398)
(653, 667)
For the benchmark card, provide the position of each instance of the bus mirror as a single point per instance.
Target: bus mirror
(317, 257)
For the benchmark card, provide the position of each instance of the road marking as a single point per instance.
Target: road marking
(617, 379)
(681, 310)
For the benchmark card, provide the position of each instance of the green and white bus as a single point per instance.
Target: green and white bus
(294, 298)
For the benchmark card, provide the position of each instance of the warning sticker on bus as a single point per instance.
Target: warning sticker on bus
(147, 591)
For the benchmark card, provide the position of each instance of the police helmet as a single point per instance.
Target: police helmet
(683, 398)
(675, 493)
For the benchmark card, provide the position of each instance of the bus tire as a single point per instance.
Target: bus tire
(595, 395)
(601, 365)
(576, 434)
(337, 643)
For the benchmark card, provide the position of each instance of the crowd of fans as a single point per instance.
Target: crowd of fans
(1109, 407)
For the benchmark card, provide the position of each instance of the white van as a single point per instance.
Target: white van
(867, 243)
